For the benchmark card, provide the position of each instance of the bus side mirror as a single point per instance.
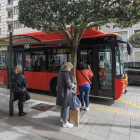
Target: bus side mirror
(129, 48)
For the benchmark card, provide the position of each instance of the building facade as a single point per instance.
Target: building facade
(9, 19)
(2, 18)
(126, 33)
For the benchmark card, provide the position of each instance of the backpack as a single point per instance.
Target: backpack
(75, 102)
(15, 87)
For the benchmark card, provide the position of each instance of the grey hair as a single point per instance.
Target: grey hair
(67, 64)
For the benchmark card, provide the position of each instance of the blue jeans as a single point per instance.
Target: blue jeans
(86, 90)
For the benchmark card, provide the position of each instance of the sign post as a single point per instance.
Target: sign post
(11, 110)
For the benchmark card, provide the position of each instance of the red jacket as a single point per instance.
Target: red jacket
(81, 80)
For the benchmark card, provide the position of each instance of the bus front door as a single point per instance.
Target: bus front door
(100, 61)
(104, 68)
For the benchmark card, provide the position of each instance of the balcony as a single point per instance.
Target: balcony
(9, 20)
(9, 6)
(8, 31)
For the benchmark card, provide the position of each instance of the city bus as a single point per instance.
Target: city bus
(42, 60)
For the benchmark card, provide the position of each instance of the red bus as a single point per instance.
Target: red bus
(41, 61)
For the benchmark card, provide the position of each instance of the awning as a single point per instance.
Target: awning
(18, 40)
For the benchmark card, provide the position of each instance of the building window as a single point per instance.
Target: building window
(0, 31)
(10, 28)
(10, 2)
(137, 56)
(17, 24)
(10, 14)
(0, 7)
(0, 19)
(135, 31)
(16, 10)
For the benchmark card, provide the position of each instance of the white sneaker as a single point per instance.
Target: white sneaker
(82, 107)
(67, 125)
(61, 120)
(87, 108)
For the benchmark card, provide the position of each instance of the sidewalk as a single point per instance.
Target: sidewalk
(95, 124)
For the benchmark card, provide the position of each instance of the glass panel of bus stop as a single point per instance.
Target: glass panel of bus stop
(105, 68)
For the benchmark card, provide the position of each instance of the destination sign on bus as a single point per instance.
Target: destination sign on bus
(66, 50)
(45, 45)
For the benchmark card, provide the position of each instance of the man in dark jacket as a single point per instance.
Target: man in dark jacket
(64, 93)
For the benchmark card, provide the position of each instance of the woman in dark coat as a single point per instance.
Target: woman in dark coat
(22, 83)
(64, 92)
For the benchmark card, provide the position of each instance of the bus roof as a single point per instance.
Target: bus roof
(39, 36)
(55, 36)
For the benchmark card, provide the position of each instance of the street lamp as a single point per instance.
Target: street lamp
(11, 110)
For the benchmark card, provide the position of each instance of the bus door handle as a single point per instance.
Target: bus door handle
(33, 73)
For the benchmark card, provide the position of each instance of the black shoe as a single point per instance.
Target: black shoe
(22, 114)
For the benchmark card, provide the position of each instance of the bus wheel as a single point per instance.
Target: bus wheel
(54, 88)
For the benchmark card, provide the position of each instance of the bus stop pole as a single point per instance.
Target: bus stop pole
(11, 111)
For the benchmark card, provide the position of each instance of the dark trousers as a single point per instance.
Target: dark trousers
(87, 91)
(20, 101)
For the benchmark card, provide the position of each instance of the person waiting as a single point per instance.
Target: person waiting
(83, 82)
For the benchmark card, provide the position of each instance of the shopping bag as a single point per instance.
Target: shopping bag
(74, 116)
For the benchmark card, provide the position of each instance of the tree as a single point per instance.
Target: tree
(134, 40)
(55, 15)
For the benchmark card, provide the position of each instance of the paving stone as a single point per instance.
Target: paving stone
(135, 118)
(135, 125)
(106, 119)
(107, 113)
(64, 136)
(117, 136)
(101, 129)
(92, 136)
(93, 112)
(134, 135)
(122, 118)
(121, 128)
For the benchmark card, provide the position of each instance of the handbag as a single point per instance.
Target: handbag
(86, 77)
(27, 95)
(15, 87)
(75, 102)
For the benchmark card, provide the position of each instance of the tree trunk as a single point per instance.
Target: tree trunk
(73, 52)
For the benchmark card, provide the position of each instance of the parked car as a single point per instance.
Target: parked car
(132, 69)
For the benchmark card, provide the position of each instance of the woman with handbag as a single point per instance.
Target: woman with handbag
(83, 82)
(64, 92)
(21, 82)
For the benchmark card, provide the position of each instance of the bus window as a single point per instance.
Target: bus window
(57, 57)
(86, 57)
(2, 60)
(35, 61)
(119, 60)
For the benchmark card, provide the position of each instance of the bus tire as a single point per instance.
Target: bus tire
(54, 88)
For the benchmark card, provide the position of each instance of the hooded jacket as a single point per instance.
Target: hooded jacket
(64, 86)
